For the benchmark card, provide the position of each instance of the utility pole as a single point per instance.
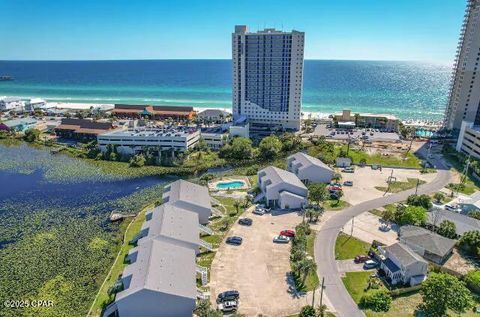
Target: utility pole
(353, 223)
(416, 187)
(389, 181)
(313, 297)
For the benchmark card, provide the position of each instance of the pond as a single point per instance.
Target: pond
(55, 233)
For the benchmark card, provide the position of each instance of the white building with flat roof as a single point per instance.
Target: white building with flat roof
(11, 104)
(189, 196)
(309, 169)
(135, 140)
(268, 76)
(464, 93)
(281, 189)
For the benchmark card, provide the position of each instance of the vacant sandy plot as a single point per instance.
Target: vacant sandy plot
(365, 179)
(258, 268)
(366, 227)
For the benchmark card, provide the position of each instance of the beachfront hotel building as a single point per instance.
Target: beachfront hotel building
(267, 77)
(464, 94)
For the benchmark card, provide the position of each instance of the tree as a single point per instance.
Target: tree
(304, 267)
(472, 279)
(236, 205)
(412, 215)
(475, 214)
(420, 200)
(270, 147)
(308, 311)
(336, 177)
(438, 197)
(240, 149)
(470, 242)
(441, 292)
(31, 135)
(321, 310)
(137, 161)
(313, 214)
(377, 300)
(204, 309)
(290, 142)
(388, 214)
(447, 229)
(318, 193)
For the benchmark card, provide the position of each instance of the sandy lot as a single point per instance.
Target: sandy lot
(258, 268)
(366, 228)
(365, 179)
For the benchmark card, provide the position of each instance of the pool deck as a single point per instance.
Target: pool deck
(212, 185)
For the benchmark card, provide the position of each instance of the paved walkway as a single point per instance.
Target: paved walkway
(340, 299)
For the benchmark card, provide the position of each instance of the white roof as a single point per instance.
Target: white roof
(307, 160)
(162, 267)
(277, 175)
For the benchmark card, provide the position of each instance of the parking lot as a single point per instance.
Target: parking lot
(258, 268)
(357, 133)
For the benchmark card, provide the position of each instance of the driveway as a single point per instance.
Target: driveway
(366, 227)
(340, 299)
(258, 268)
(349, 266)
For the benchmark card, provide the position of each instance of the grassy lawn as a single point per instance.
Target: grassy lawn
(347, 247)
(376, 212)
(396, 187)
(386, 161)
(333, 204)
(355, 283)
(134, 227)
(311, 281)
(403, 306)
(467, 188)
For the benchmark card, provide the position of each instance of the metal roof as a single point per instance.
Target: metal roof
(162, 267)
(277, 175)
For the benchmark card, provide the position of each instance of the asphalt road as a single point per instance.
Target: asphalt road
(336, 292)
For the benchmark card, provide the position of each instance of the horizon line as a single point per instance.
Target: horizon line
(212, 59)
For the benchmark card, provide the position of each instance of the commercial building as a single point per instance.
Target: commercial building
(268, 77)
(215, 138)
(464, 93)
(82, 129)
(11, 104)
(136, 139)
(189, 196)
(34, 103)
(309, 169)
(469, 139)
(429, 245)
(20, 125)
(152, 112)
(281, 189)
(347, 120)
(214, 115)
(402, 265)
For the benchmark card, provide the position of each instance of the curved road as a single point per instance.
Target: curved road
(335, 291)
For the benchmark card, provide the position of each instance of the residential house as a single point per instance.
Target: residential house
(463, 223)
(21, 125)
(12, 104)
(309, 169)
(281, 189)
(189, 196)
(160, 281)
(402, 265)
(431, 246)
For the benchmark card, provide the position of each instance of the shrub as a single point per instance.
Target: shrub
(420, 201)
(308, 311)
(447, 229)
(251, 170)
(137, 161)
(473, 281)
(412, 215)
(377, 300)
(31, 135)
(470, 242)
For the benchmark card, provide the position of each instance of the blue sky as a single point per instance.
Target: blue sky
(424, 30)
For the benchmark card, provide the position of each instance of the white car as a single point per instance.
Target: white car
(228, 306)
(281, 239)
(259, 211)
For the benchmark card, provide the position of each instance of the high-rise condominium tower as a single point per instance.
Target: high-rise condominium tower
(268, 76)
(464, 95)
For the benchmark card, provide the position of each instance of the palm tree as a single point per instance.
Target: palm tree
(304, 267)
(236, 204)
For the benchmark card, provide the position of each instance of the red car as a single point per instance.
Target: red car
(361, 258)
(288, 233)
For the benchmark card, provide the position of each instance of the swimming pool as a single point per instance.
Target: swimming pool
(230, 184)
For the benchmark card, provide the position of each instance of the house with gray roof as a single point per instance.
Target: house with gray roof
(309, 169)
(429, 245)
(189, 196)
(463, 223)
(160, 281)
(402, 265)
(281, 189)
(170, 223)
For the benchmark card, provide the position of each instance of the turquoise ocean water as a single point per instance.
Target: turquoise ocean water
(406, 89)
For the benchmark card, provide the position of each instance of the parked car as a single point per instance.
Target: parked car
(281, 239)
(288, 233)
(228, 306)
(348, 170)
(259, 211)
(375, 167)
(348, 183)
(334, 188)
(245, 221)
(361, 258)
(228, 296)
(453, 208)
(370, 264)
(234, 240)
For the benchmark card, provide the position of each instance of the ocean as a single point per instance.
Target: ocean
(409, 90)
